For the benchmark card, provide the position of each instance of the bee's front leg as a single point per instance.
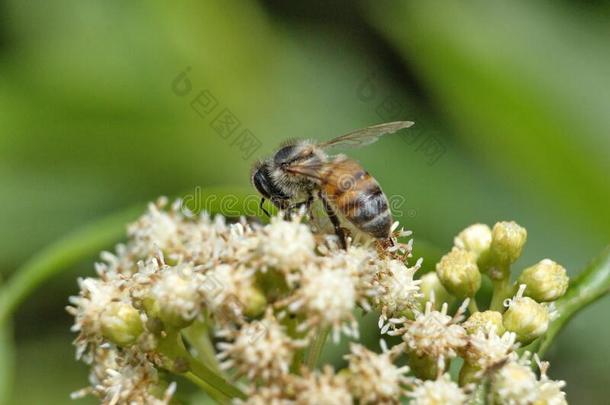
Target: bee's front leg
(298, 206)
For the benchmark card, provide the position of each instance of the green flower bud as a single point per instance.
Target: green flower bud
(459, 274)
(255, 302)
(469, 373)
(527, 318)
(476, 239)
(424, 367)
(508, 239)
(485, 321)
(433, 290)
(545, 281)
(121, 323)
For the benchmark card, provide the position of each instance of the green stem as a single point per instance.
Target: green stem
(207, 388)
(502, 289)
(292, 324)
(198, 336)
(315, 350)
(472, 306)
(590, 285)
(180, 361)
(481, 394)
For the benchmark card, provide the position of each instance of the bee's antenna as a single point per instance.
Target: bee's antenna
(262, 207)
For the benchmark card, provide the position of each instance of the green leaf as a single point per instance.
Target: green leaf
(7, 360)
(61, 255)
(522, 83)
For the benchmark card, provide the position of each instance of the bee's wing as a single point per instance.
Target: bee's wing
(307, 169)
(366, 136)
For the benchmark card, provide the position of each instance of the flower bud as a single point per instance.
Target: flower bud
(485, 322)
(545, 281)
(459, 273)
(424, 367)
(255, 302)
(433, 290)
(121, 323)
(469, 373)
(508, 239)
(476, 239)
(527, 318)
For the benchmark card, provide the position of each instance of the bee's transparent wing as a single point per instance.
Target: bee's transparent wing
(366, 136)
(307, 169)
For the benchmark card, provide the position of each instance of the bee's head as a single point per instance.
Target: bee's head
(264, 183)
(261, 180)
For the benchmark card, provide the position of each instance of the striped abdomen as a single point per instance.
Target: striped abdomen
(357, 196)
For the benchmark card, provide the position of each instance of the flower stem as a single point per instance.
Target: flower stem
(180, 361)
(472, 306)
(501, 291)
(216, 395)
(592, 284)
(315, 350)
(198, 336)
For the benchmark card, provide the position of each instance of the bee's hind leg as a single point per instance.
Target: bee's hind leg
(339, 231)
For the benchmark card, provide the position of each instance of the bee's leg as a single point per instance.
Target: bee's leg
(335, 221)
(262, 207)
(307, 204)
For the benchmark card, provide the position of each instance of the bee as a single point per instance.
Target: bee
(302, 170)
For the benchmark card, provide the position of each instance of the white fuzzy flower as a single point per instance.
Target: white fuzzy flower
(322, 388)
(265, 395)
(157, 229)
(230, 293)
(373, 378)
(434, 334)
(327, 296)
(176, 295)
(397, 291)
(260, 349)
(88, 308)
(286, 245)
(548, 392)
(441, 391)
(128, 378)
(488, 349)
(515, 383)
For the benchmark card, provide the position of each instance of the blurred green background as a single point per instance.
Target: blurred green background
(510, 101)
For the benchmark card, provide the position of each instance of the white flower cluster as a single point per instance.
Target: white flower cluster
(243, 301)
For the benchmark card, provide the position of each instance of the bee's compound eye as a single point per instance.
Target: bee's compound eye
(284, 155)
(261, 182)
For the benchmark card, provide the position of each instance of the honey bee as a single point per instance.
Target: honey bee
(302, 170)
